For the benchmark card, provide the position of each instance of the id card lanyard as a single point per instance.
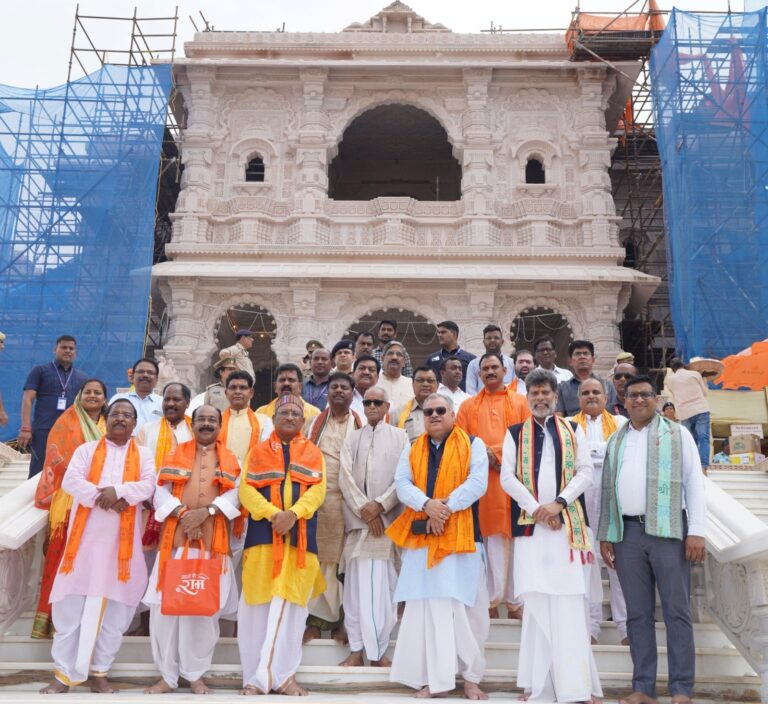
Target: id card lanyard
(61, 402)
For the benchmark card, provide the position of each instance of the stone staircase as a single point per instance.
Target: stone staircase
(722, 671)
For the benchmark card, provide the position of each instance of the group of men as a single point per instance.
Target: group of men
(470, 497)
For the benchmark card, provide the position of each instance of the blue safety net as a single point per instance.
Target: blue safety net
(78, 178)
(711, 100)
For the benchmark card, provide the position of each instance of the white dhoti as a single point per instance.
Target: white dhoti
(618, 605)
(435, 635)
(556, 661)
(89, 631)
(369, 607)
(183, 645)
(327, 606)
(499, 553)
(269, 639)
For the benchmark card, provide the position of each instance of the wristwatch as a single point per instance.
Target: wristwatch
(562, 501)
(211, 510)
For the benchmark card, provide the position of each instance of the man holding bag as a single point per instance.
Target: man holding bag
(193, 583)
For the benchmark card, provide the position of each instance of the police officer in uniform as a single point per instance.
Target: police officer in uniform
(214, 394)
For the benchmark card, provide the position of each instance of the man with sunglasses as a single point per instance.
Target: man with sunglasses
(652, 543)
(622, 372)
(367, 481)
(440, 480)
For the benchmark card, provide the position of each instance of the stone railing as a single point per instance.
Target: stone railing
(736, 578)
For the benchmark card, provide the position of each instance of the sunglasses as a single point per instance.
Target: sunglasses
(373, 402)
(622, 376)
(440, 410)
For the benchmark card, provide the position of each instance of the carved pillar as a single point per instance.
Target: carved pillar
(312, 149)
(477, 162)
(303, 319)
(594, 157)
(603, 317)
(188, 343)
(480, 296)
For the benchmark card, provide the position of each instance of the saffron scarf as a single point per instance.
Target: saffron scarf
(459, 534)
(266, 468)
(165, 442)
(253, 421)
(573, 515)
(131, 473)
(72, 429)
(319, 424)
(177, 470)
(407, 409)
(608, 423)
(663, 486)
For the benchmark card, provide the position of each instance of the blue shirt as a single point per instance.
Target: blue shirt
(148, 409)
(49, 381)
(315, 394)
(433, 361)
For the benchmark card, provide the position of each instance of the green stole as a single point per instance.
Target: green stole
(663, 487)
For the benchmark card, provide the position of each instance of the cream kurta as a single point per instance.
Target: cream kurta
(368, 462)
(400, 390)
(239, 432)
(148, 435)
(330, 519)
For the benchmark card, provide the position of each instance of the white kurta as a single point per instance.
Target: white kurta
(597, 445)
(553, 583)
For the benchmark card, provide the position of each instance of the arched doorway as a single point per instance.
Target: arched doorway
(395, 150)
(535, 322)
(416, 332)
(257, 319)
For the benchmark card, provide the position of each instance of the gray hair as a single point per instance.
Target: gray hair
(378, 388)
(441, 397)
(390, 345)
(540, 377)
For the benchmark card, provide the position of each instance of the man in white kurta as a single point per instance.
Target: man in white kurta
(445, 623)
(369, 458)
(91, 605)
(598, 425)
(176, 399)
(399, 387)
(183, 645)
(551, 576)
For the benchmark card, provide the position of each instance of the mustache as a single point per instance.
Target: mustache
(207, 428)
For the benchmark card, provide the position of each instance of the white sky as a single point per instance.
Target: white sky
(36, 34)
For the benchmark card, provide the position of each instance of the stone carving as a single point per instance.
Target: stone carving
(19, 581)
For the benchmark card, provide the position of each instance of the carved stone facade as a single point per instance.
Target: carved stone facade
(317, 264)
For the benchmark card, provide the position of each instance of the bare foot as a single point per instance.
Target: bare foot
(625, 640)
(339, 634)
(310, 633)
(250, 690)
(473, 691)
(400, 609)
(515, 612)
(354, 659)
(594, 700)
(638, 698)
(159, 687)
(55, 687)
(100, 685)
(493, 612)
(291, 688)
(424, 693)
(199, 687)
(524, 697)
(593, 640)
(681, 699)
(384, 662)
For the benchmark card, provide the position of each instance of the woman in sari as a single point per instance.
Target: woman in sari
(82, 422)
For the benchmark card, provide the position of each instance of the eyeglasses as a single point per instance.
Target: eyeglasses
(373, 402)
(622, 376)
(440, 410)
(645, 395)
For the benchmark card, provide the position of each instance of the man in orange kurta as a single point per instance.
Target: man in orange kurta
(488, 415)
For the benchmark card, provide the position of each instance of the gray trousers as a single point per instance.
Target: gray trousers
(644, 562)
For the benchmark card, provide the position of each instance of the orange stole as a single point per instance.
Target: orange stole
(131, 473)
(476, 418)
(177, 470)
(266, 468)
(459, 535)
